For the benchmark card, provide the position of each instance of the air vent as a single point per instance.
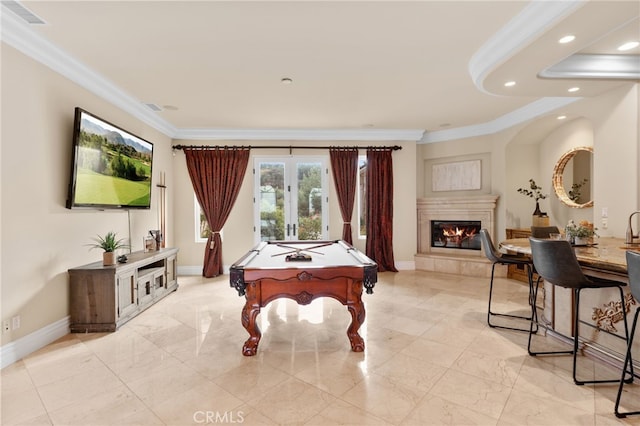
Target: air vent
(154, 107)
(23, 12)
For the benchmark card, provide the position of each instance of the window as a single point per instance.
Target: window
(202, 229)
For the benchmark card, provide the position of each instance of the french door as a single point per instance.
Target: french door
(290, 198)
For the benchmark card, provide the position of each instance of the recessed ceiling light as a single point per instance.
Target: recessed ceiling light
(567, 39)
(573, 89)
(286, 80)
(629, 45)
(510, 84)
(561, 117)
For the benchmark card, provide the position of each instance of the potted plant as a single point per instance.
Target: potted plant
(109, 243)
(581, 233)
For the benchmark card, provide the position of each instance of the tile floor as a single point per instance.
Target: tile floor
(430, 359)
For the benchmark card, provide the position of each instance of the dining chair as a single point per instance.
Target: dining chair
(498, 258)
(555, 262)
(543, 231)
(633, 269)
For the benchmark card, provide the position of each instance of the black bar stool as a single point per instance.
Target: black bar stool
(543, 231)
(633, 268)
(556, 263)
(498, 258)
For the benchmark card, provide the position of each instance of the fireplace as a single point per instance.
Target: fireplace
(456, 234)
(460, 254)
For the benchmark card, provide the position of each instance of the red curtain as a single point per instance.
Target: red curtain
(344, 164)
(379, 191)
(216, 175)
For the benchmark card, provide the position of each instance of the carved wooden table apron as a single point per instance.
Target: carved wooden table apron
(335, 269)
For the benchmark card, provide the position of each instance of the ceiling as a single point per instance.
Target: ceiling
(377, 70)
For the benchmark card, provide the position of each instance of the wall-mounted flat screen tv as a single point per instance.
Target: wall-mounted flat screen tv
(110, 167)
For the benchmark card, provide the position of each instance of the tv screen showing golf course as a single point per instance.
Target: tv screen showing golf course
(110, 168)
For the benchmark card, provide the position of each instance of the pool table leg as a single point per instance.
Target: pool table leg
(249, 313)
(356, 309)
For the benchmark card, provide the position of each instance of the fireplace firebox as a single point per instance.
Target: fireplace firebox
(456, 234)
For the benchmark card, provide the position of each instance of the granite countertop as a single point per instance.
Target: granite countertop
(606, 254)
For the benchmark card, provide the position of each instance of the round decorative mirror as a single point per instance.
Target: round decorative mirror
(572, 177)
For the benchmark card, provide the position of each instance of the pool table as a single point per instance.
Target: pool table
(303, 271)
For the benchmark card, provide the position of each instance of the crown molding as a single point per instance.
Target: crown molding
(530, 111)
(528, 25)
(301, 134)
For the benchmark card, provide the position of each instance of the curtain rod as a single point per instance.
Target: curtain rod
(289, 147)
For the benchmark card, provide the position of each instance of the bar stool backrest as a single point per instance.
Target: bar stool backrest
(555, 261)
(489, 249)
(633, 268)
(543, 231)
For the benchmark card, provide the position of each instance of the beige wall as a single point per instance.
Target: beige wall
(608, 122)
(41, 239)
(238, 231)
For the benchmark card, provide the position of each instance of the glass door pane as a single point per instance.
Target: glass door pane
(308, 203)
(271, 200)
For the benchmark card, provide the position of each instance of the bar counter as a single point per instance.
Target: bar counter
(606, 255)
(605, 258)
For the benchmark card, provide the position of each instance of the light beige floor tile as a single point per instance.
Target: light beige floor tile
(342, 413)
(497, 368)
(418, 375)
(483, 395)
(334, 373)
(435, 352)
(205, 401)
(292, 402)
(383, 398)
(433, 410)
(523, 409)
(86, 386)
(160, 386)
(251, 379)
(111, 407)
(21, 406)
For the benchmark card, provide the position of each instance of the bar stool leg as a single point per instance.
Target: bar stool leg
(531, 301)
(627, 362)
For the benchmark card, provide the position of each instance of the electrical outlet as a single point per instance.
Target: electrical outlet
(15, 322)
(605, 223)
(6, 326)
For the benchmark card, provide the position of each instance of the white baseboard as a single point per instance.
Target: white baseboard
(18, 349)
(197, 270)
(189, 270)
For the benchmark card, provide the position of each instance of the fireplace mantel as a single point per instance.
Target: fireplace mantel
(471, 208)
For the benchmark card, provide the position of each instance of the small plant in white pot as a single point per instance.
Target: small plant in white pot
(109, 243)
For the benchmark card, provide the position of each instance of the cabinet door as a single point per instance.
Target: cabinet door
(159, 283)
(145, 289)
(126, 288)
(171, 271)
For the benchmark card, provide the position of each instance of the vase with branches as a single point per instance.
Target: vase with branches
(534, 191)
